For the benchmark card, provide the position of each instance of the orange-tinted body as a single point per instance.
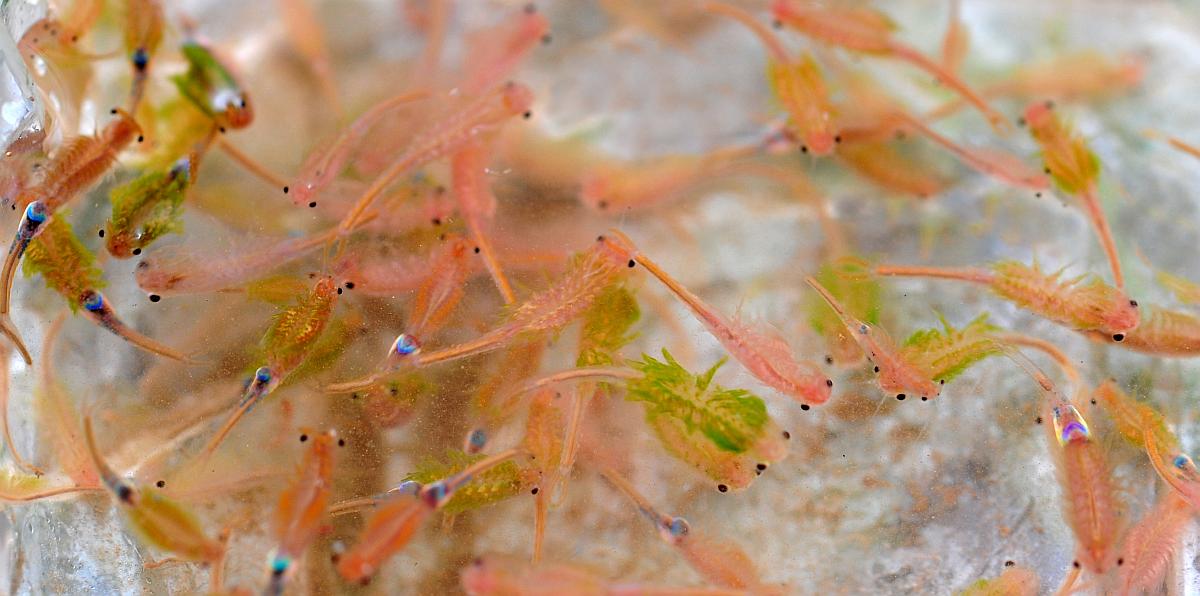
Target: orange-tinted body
(765, 355)
(896, 374)
(477, 204)
(440, 292)
(476, 118)
(1150, 545)
(1162, 332)
(1090, 503)
(863, 29)
(302, 506)
(80, 163)
(494, 54)
(884, 165)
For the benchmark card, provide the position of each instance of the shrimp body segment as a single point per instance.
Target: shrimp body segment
(1076, 170)
(762, 353)
(212, 87)
(1162, 332)
(288, 341)
(143, 33)
(393, 525)
(865, 30)
(147, 208)
(1090, 503)
(302, 508)
(155, 519)
(897, 374)
(1150, 545)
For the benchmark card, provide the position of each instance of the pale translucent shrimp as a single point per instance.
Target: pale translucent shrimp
(302, 507)
(494, 54)
(477, 204)
(308, 39)
(763, 354)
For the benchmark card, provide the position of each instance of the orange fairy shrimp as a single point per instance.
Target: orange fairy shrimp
(478, 118)
(796, 82)
(75, 167)
(550, 310)
(442, 290)
(327, 162)
(763, 354)
(884, 165)
(865, 30)
(543, 441)
(613, 187)
(897, 374)
(721, 563)
(1075, 170)
(308, 39)
(1004, 167)
(393, 525)
(499, 575)
(1091, 306)
(157, 520)
(302, 507)
(143, 34)
(1150, 545)
(1133, 418)
(1163, 332)
(286, 344)
(69, 269)
(175, 271)
(1082, 75)
(477, 204)
(493, 54)
(1181, 474)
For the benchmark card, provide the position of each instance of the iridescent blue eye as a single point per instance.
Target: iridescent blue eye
(1182, 462)
(262, 375)
(1072, 429)
(678, 527)
(408, 487)
(477, 438)
(93, 301)
(280, 565)
(36, 212)
(435, 493)
(406, 344)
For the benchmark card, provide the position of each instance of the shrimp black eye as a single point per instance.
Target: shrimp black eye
(805, 407)
(1118, 337)
(900, 396)
(803, 148)
(1133, 303)
(527, 115)
(829, 382)
(722, 488)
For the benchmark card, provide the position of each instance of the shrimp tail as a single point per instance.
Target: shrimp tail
(110, 322)
(997, 120)
(1091, 203)
(10, 331)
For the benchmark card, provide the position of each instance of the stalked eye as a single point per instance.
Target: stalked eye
(36, 212)
(93, 301)
(1118, 337)
(262, 375)
(1182, 462)
(406, 344)
(408, 487)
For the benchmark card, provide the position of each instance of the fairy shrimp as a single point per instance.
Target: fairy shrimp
(614, 187)
(1004, 167)
(1090, 503)
(69, 269)
(1084, 303)
(1180, 473)
(477, 204)
(956, 40)
(210, 84)
(543, 441)
(285, 345)
(143, 33)
(1133, 418)
(155, 519)
(897, 375)
(868, 31)
(302, 507)
(478, 118)
(797, 83)
(324, 164)
(440, 292)
(763, 354)
(1151, 544)
(394, 524)
(1162, 332)
(721, 563)
(147, 208)
(1075, 170)
(493, 54)
(550, 310)
(1072, 76)
(887, 167)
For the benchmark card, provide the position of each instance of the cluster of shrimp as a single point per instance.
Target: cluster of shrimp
(409, 272)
